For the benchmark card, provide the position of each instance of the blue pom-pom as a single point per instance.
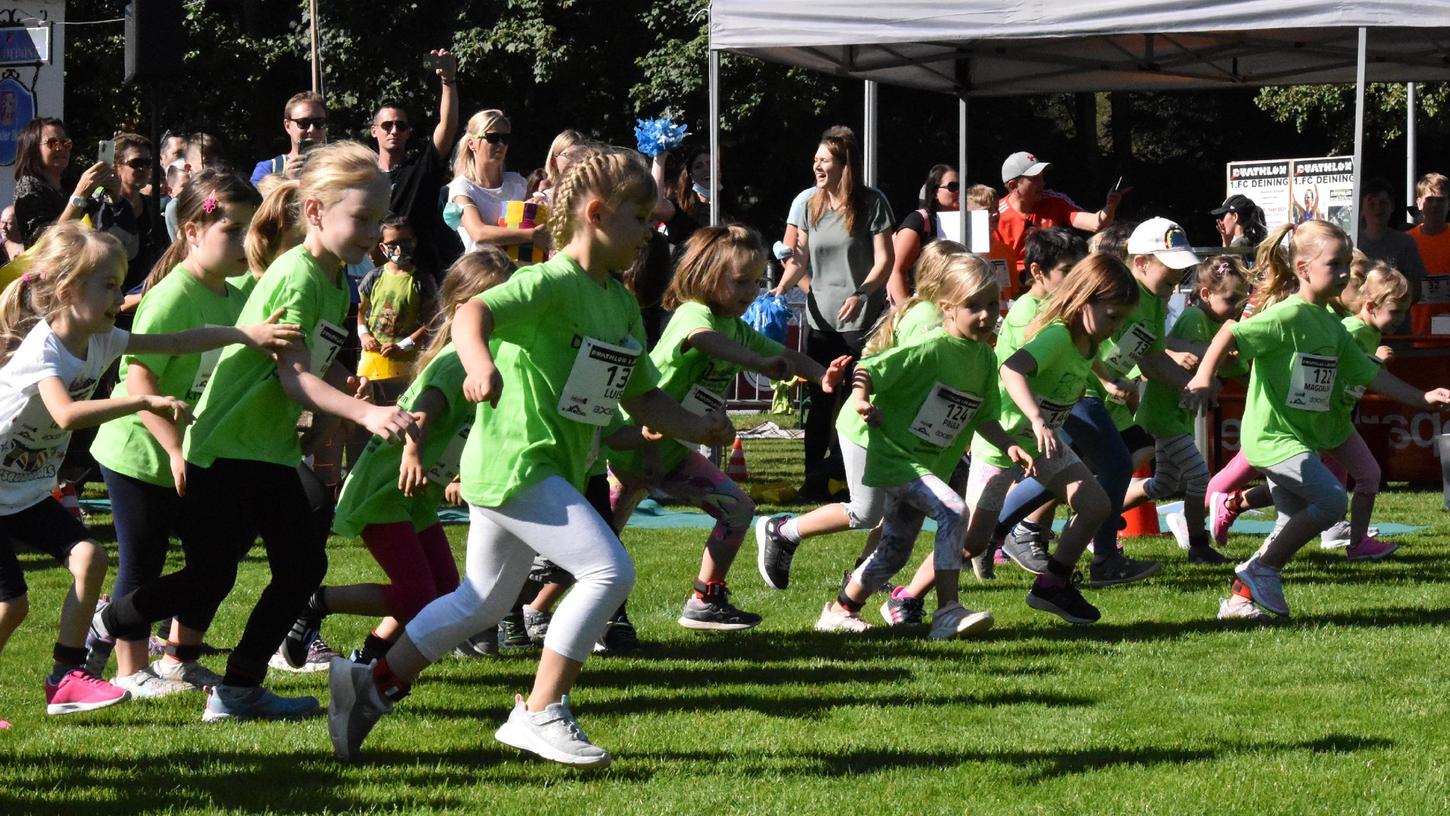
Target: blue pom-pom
(656, 136)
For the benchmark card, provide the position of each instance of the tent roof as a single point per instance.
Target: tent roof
(999, 47)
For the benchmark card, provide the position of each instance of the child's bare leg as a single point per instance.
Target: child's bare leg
(12, 614)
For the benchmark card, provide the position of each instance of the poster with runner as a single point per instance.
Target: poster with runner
(1323, 188)
(1266, 183)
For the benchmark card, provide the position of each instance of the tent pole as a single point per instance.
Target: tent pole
(714, 137)
(962, 165)
(1410, 104)
(1358, 133)
(868, 134)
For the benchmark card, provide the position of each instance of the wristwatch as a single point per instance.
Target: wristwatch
(79, 202)
(861, 293)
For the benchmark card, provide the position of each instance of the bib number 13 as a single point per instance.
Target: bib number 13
(597, 380)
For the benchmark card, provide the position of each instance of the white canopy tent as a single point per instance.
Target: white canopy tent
(1006, 47)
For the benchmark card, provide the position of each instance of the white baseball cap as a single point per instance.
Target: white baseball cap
(1022, 163)
(1166, 240)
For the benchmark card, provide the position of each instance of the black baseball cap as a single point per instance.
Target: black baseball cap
(1234, 203)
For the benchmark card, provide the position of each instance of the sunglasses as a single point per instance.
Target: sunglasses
(495, 138)
(310, 122)
(138, 163)
(55, 143)
(395, 124)
(951, 186)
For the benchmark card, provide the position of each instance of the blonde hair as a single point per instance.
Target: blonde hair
(706, 261)
(478, 125)
(1274, 261)
(1432, 184)
(274, 226)
(65, 255)
(618, 175)
(1097, 278)
(981, 197)
(565, 140)
(330, 170)
(1374, 282)
(473, 272)
(931, 268)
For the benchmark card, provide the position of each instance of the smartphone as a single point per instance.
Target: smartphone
(436, 62)
(107, 151)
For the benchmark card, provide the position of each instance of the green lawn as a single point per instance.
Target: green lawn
(1158, 709)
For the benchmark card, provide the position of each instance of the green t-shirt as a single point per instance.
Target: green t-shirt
(1139, 335)
(1368, 339)
(244, 413)
(932, 395)
(179, 302)
(695, 380)
(1060, 376)
(1303, 362)
(371, 495)
(570, 349)
(1159, 411)
(920, 320)
(1014, 326)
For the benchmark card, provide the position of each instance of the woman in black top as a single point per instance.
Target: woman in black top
(940, 193)
(42, 155)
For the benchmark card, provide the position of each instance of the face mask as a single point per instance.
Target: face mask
(398, 255)
(701, 190)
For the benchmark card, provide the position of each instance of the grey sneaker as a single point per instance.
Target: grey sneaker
(773, 553)
(191, 673)
(1120, 569)
(353, 708)
(483, 644)
(552, 734)
(536, 623)
(1265, 584)
(254, 703)
(954, 621)
(1027, 549)
(98, 646)
(984, 565)
(319, 655)
(146, 685)
(1335, 537)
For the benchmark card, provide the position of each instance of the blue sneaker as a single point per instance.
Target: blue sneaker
(255, 703)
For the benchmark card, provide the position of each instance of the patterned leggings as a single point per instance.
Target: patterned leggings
(906, 507)
(695, 482)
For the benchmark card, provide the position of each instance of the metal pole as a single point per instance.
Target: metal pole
(714, 137)
(1358, 133)
(316, 63)
(1410, 175)
(962, 167)
(868, 135)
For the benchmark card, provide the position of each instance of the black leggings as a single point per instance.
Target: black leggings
(822, 452)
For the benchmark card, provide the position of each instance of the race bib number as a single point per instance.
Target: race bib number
(596, 382)
(1053, 413)
(701, 401)
(445, 470)
(204, 369)
(327, 340)
(944, 414)
(1312, 382)
(1129, 349)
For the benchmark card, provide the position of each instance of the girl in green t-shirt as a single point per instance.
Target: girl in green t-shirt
(921, 403)
(570, 343)
(1040, 383)
(703, 348)
(141, 455)
(1304, 362)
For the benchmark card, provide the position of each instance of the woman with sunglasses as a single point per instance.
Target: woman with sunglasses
(42, 156)
(941, 192)
(134, 167)
(481, 187)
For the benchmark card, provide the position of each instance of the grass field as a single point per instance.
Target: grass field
(1157, 709)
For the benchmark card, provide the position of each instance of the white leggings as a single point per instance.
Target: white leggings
(552, 519)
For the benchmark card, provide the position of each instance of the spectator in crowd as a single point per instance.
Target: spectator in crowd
(1381, 242)
(173, 147)
(304, 118)
(417, 176)
(1432, 195)
(10, 235)
(940, 191)
(203, 152)
(1239, 221)
(481, 187)
(1030, 205)
(134, 165)
(684, 194)
(998, 254)
(42, 155)
(839, 234)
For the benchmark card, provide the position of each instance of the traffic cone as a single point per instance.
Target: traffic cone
(1143, 519)
(736, 470)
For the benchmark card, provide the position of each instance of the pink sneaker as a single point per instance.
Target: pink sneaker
(1221, 516)
(80, 691)
(1370, 548)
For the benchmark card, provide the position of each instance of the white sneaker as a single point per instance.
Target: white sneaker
(146, 685)
(189, 672)
(1178, 526)
(955, 620)
(1336, 537)
(833, 621)
(552, 734)
(1236, 608)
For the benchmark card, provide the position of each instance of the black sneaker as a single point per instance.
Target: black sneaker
(984, 566)
(1064, 601)
(1206, 554)
(619, 637)
(1027, 549)
(307, 628)
(513, 634)
(715, 612)
(1120, 569)
(906, 611)
(773, 553)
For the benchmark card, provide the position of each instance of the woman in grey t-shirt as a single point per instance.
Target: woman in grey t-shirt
(839, 232)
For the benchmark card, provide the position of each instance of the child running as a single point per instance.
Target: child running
(1040, 383)
(242, 453)
(140, 455)
(702, 349)
(777, 537)
(571, 351)
(391, 497)
(921, 403)
(1304, 362)
(57, 336)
